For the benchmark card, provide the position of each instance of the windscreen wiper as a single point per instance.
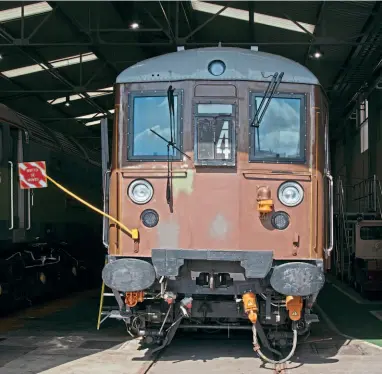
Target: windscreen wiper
(272, 86)
(170, 100)
(170, 143)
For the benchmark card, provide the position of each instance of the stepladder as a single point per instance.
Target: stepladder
(117, 309)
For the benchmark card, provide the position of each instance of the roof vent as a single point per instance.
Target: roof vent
(254, 48)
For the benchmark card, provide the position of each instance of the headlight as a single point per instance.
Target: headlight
(290, 193)
(280, 220)
(140, 191)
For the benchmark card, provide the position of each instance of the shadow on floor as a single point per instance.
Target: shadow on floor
(69, 335)
(349, 317)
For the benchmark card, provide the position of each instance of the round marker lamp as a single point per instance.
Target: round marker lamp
(280, 220)
(150, 218)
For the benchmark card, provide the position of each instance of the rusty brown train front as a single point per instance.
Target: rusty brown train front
(220, 160)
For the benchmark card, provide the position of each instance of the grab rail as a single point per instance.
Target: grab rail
(29, 210)
(105, 198)
(11, 179)
(331, 216)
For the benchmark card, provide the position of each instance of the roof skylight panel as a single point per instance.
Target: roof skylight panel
(29, 10)
(62, 62)
(100, 92)
(92, 123)
(243, 15)
(94, 115)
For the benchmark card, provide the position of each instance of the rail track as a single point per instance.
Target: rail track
(278, 369)
(151, 362)
(281, 369)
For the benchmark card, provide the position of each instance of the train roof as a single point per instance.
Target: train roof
(49, 138)
(241, 64)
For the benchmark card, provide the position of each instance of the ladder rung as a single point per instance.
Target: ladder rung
(113, 314)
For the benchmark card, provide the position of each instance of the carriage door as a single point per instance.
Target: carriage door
(12, 214)
(16, 148)
(6, 220)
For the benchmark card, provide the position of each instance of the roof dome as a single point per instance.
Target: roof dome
(240, 64)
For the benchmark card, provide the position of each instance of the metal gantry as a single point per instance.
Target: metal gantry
(354, 204)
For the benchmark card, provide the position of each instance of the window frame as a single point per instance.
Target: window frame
(368, 227)
(303, 129)
(230, 117)
(130, 126)
(364, 125)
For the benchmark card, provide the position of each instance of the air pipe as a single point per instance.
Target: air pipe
(256, 347)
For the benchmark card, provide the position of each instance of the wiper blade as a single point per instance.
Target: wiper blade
(170, 143)
(171, 108)
(275, 82)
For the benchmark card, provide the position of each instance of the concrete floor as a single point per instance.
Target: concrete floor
(55, 339)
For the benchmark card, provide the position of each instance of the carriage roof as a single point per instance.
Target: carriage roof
(241, 64)
(47, 137)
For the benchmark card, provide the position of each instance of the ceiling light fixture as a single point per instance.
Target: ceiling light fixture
(317, 53)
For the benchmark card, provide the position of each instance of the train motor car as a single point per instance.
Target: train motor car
(46, 239)
(367, 257)
(357, 255)
(220, 160)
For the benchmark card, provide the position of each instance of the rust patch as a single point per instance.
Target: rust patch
(185, 185)
(219, 227)
(168, 234)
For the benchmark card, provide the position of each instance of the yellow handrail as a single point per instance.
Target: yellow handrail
(133, 232)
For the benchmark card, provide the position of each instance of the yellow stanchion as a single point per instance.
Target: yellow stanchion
(133, 232)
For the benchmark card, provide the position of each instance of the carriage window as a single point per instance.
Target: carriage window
(214, 135)
(371, 232)
(215, 108)
(152, 113)
(281, 134)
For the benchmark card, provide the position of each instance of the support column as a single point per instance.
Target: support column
(375, 124)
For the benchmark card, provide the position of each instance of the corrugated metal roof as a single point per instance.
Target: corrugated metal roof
(76, 24)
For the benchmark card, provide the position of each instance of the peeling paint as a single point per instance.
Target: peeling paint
(182, 184)
(219, 227)
(168, 234)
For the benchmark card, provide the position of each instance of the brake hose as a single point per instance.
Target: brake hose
(256, 347)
